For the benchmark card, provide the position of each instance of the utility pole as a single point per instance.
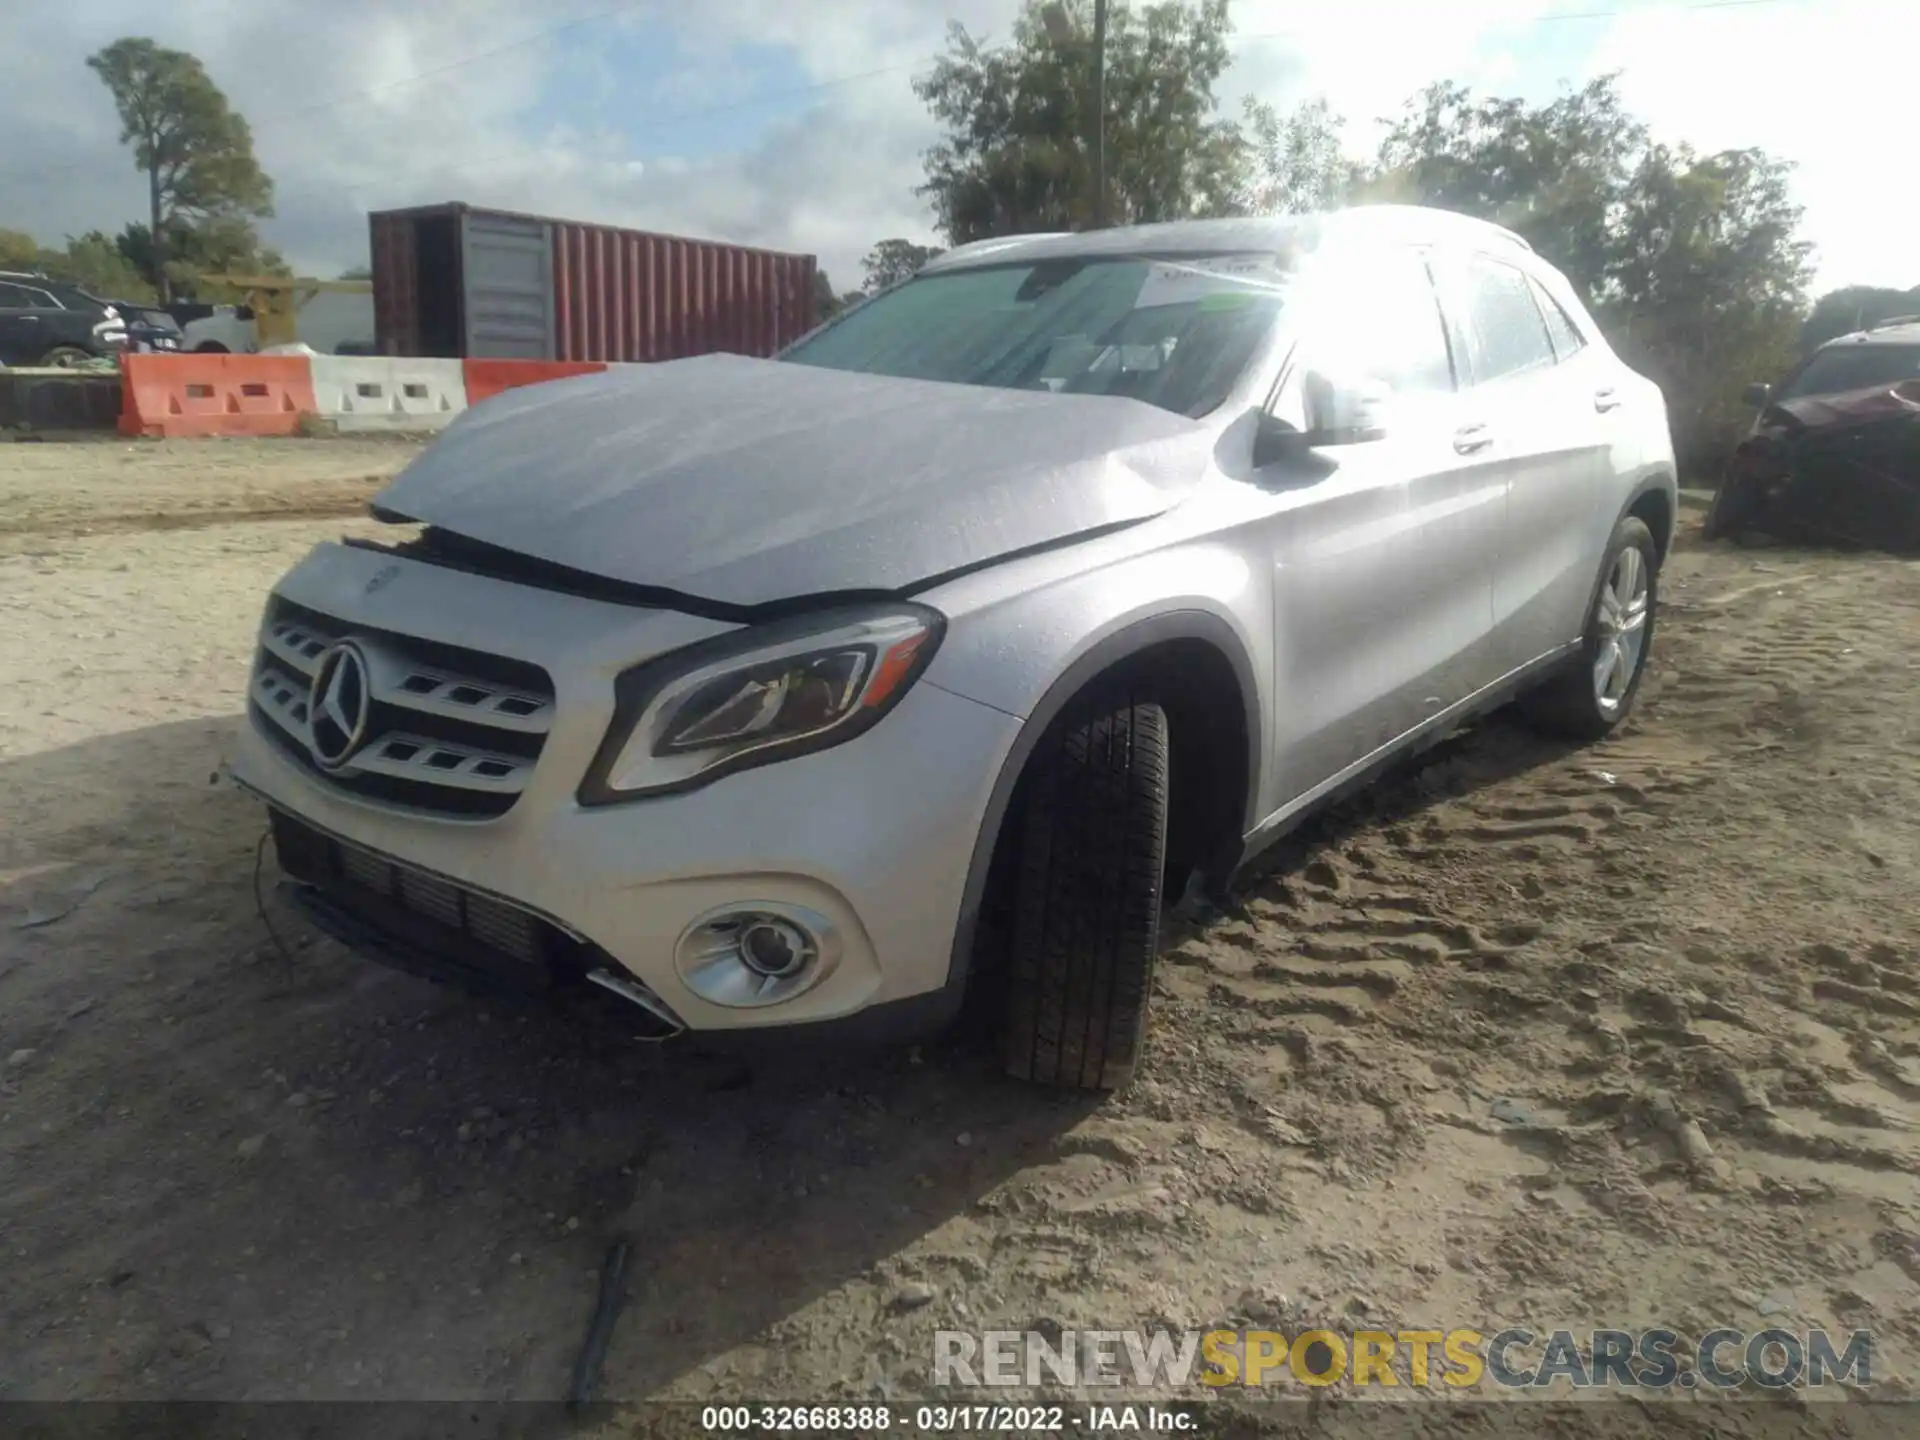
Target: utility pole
(1062, 30)
(1099, 114)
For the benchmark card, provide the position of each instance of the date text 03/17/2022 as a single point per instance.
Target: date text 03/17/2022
(940, 1419)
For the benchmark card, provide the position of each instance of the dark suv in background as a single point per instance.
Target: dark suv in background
(1885, 353)
(45, 323)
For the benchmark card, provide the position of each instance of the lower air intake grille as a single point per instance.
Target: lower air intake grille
(426, 912)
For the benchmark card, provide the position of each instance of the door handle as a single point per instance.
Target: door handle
(1605, 400)
(1471, 439)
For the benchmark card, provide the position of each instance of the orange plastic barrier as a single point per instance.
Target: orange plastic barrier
(175, 395)
(487, 378)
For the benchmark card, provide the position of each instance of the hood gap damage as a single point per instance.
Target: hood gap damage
(435, 545)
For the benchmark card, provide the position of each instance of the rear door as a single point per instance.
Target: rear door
(1542, 425)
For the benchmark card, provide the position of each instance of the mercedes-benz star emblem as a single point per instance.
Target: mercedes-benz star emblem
(338, 705)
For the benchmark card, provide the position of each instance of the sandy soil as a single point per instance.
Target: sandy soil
(1620, 1036)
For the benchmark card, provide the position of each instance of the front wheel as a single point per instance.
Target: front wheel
(1596, 692)
(65, 357)
(1086, 900)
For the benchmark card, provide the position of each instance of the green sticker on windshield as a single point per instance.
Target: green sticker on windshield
(1228, 300)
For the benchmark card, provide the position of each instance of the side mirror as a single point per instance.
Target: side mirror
(1275, 441)
(1345, 410)
(1757, 395)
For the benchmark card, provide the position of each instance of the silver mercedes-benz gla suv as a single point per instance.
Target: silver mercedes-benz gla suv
(931, 658)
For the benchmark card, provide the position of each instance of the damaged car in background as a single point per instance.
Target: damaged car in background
(921, 668)
(1834, 455)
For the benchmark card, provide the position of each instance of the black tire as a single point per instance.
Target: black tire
(1085, 919)
(1567, 704)
(211, 347)
(65, 357)
(1735, 505)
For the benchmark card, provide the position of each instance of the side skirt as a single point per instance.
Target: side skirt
(1365, 771)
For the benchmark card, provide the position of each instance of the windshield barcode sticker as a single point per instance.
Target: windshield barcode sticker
(1183, 282)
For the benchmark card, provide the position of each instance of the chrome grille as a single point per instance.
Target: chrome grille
(448, 730)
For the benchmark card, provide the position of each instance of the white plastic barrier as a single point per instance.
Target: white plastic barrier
(367, 393)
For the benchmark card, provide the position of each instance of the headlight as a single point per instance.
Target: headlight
(758, 695)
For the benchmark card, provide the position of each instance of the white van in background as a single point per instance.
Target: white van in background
(330, 323)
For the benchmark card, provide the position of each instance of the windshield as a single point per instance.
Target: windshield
(1853, 367)
(1176, 334)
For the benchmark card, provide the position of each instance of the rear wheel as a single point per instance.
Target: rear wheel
(1087, 892)
(64, 357)
(1597, 692)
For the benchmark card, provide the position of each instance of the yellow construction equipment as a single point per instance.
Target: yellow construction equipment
(276, 301)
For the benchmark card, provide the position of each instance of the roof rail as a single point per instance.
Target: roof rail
(1512, 235)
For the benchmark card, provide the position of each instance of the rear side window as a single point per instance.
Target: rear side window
(1567, 341)
(12, 297)
(1509, 333)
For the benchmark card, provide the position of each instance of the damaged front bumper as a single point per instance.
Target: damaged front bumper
(862, 849)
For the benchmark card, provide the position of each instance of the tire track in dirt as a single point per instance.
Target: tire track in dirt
(1642, 972)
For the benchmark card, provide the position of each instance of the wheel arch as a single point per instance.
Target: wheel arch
(1217, 734)
(1654, 502)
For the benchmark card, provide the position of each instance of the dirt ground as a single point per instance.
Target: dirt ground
(1615, 1037)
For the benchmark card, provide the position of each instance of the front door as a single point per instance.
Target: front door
(1382, 588)
(19, 327)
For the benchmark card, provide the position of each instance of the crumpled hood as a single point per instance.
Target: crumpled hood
(743, 481)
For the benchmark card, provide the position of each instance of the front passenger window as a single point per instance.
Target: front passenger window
(1509, 335)
(1382, 321)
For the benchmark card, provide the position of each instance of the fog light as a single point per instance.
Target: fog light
(759, 953)
(772, 947)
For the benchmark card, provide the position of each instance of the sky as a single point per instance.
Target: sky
(792, 124)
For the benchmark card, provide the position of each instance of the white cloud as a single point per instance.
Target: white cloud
(840, 174)
(1800, 81)
(1367, 57)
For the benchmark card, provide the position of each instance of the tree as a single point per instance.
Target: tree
(892, 261)
(197, 152)
(357, 272)
(91, 262)
(827, 302)
(94, 263)
(1556, 174)
(1296, 162)
(1854, 307)
(1692, 264)
(219, 246)
(18, 250)
(1709, 286)
(1017, 155)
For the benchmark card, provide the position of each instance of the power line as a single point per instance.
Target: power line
(538, 37)
(659, 122)
(767, 97)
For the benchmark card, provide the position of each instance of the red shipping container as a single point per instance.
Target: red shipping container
(452, 280)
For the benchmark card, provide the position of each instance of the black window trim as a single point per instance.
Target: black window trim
(1542, 297)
